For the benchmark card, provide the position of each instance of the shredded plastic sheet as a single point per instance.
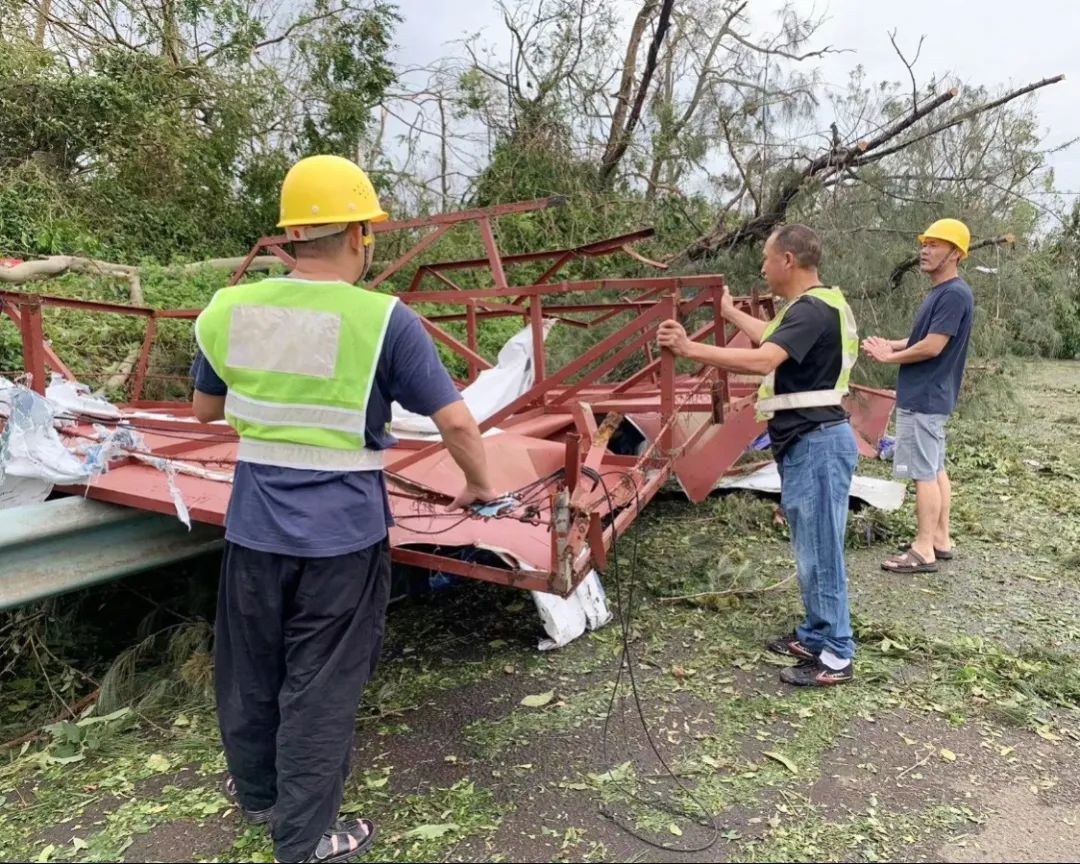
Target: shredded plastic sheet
(885, 495)
(30, 446)
(33, 458)
(76, 398)
(492, 390)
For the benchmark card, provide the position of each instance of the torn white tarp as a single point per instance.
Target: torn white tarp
(18, 491)
(33, 457)
(30, 446)
(76, 398)
(492, 390)
(882, 494)
(566, 619)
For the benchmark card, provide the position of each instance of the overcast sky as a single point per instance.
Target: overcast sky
(992, 42)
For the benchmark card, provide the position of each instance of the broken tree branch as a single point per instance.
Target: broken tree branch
(58, 265)
(960, 118)
(625, 134)
(835, 162)
(897, 275)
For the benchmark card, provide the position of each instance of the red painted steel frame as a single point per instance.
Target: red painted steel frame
(698, 425)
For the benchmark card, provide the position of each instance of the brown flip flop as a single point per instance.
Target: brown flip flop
(940, 554)
(910, 562)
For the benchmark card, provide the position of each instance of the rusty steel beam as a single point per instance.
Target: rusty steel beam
(588, 250)
(47, 300)
(469, 215)
(536, 393)
(452, 343)
(494, 261)
(529, 580)
(585, 285)
(53, 359)
(402, 260)
(33, 344)
(144, 358)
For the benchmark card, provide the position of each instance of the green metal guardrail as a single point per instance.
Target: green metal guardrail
(71, 543)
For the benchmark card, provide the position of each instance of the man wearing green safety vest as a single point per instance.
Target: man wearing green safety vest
(805, 354)
(305, 368)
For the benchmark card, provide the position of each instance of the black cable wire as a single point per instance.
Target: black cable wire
(626, 661)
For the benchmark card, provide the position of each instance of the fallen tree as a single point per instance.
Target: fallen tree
(58, 265)
(838, 162)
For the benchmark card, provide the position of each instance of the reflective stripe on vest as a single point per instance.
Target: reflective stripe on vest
(299, 361)
(769, 402)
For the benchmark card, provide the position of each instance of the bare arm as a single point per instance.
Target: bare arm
(462, 438)
(207, 408)
(754, 361)
(925, 349)
(751, 326)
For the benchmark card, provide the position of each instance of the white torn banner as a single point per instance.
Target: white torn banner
(883, 494)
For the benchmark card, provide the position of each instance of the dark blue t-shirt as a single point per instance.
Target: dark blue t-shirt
(933, 386)
(319, 514)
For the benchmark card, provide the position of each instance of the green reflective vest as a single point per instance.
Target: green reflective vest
(769, 403)
(299, 360)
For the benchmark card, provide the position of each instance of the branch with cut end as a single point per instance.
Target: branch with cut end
(898, 273)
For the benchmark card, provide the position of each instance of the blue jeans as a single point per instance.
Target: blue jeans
(815, 477)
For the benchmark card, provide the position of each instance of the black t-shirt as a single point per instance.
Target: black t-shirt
(811, 335)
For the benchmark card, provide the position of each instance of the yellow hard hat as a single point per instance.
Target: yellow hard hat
(327, 190)
(951, 231)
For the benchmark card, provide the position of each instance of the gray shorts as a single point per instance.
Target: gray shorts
(920, 445)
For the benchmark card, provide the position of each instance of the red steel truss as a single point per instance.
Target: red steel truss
(553, 441)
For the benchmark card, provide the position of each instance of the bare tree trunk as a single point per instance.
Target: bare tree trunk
(660, 152)
(42, 20)
(626, 84)
(170, 32)
(443, 169)
(622, 134)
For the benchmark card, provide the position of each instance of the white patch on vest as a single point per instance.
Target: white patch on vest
(280, 339)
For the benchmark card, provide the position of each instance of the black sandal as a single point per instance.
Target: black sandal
(344, 841)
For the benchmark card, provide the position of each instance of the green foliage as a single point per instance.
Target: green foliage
(131, 154)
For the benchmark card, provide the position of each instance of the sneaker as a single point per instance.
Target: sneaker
(790, 646)
(814, 673)
(255, 817)
(345, 841)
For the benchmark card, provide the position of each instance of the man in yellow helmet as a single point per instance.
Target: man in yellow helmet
(305, 368)
(932, 363)
(806, 354)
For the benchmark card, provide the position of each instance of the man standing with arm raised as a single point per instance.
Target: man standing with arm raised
(806, 354)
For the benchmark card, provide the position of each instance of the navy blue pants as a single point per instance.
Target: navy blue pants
(297, 640)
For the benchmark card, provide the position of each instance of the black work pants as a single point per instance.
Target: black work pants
(297, 640)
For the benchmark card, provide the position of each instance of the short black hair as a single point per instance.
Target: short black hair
(321, 247)
(801, 241)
